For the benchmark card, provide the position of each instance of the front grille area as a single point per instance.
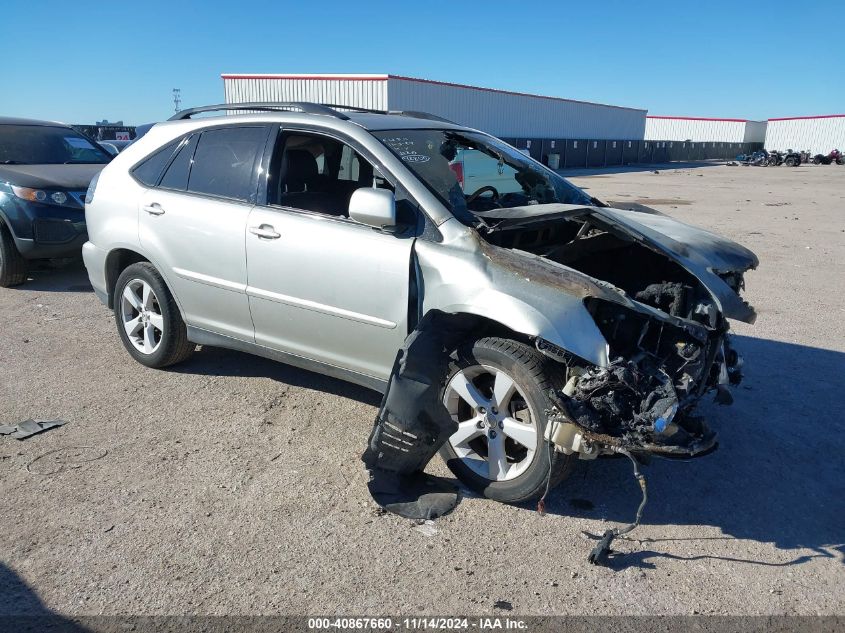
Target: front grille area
(52, 231)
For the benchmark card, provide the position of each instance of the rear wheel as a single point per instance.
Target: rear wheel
(496, 390)
(12, 263)
(790, 162)
(148, 319)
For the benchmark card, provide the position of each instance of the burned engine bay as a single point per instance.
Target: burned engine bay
(660, 367)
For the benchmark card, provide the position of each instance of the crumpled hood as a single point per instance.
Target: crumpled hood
(682, 240)
(701, 253)
(64, 177)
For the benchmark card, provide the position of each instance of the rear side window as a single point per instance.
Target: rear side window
(224, 162)
(176, 176)
(149, 171)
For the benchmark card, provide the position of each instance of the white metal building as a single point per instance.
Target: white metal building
(684, 128)
(818, 134)
(499, 112)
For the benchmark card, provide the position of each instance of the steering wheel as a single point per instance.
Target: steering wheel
(481, 190)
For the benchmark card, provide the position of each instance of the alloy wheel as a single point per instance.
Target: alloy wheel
(497, 431)
(141, 316)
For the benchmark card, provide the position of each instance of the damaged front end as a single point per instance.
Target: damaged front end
(644, 400)
(667, 292)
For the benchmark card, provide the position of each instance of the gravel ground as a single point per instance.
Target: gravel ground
(232, 484)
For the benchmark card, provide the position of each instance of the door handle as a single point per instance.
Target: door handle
(266, 231)
(154, 209)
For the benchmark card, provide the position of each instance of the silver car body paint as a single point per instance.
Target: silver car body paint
(307, 297)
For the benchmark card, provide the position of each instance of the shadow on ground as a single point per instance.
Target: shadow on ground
(21, 609)
(57, 276)
(777, 477)
(215, 361)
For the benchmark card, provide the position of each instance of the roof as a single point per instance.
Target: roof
(696, 118)
(818, 116)
(386, 77)
(9, 120)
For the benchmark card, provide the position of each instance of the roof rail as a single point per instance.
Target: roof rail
(303, 106)
(329, 109)
(421, 115)
(416, 114)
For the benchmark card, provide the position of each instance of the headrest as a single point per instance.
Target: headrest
(299, 169)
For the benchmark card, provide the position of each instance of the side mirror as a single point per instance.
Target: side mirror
(373, 207)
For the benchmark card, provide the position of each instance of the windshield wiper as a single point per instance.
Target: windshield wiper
(11, 162)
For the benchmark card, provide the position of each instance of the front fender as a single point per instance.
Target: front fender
(566, 324)
(458, 278)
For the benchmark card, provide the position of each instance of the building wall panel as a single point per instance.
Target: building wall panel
(516, 115)
(499, 112)
(364, 91)
(818, 134)
(695, 129)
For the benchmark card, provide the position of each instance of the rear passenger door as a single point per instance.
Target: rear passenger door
(193, 222)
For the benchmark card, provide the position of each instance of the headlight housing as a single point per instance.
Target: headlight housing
(92, 186)
(56, 198)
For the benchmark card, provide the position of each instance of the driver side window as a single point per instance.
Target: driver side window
(318, 173)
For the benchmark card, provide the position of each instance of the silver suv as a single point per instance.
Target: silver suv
(328, 239)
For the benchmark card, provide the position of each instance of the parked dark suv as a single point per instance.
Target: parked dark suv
(45, 169)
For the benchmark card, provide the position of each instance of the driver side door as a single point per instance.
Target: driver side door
(320, 285)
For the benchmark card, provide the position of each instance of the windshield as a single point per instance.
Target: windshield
(47, 145)
(472, 172)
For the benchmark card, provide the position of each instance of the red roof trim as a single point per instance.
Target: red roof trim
(696, 118)
(423, 81)
(307, 77)
(818, 116)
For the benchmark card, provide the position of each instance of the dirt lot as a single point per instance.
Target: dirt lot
(232, 484)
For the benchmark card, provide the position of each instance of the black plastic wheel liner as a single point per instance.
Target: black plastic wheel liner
(412, 423)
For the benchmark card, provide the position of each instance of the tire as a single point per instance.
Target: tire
(148, 320)
(790, 162)
(533, 375)
(12, 263)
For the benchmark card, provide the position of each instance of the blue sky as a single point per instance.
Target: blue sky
(81, 61)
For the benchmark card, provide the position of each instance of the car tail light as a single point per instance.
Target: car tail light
(458, 168)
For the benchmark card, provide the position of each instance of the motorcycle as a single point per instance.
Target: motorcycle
(792, 158)
(760, 158)
(775, 158)
(835, 156)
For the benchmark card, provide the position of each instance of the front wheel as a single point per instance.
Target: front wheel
(148, 319)
(496, 390)
(12, 264)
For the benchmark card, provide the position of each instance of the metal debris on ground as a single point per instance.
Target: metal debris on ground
(30, 427)
(426, 528)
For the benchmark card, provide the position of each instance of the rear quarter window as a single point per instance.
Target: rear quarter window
(148, 172)
(224, 161)
(176, 176)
